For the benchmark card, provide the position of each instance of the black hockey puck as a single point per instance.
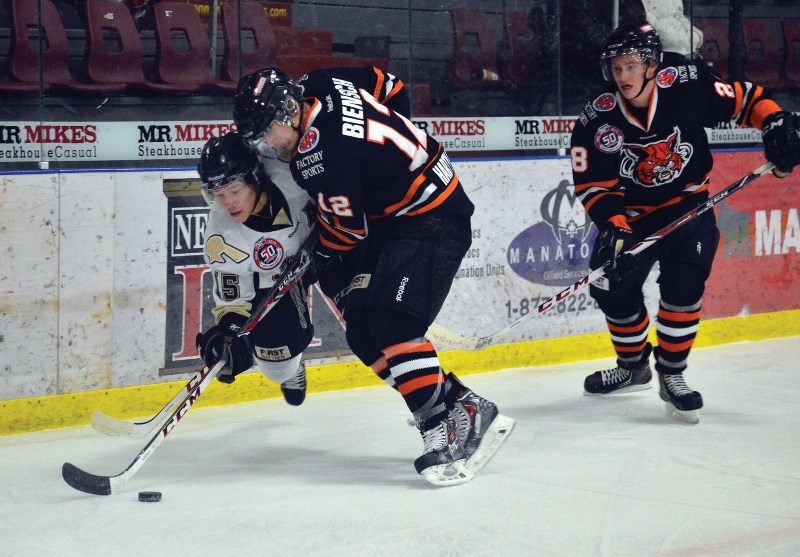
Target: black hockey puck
(150, 496)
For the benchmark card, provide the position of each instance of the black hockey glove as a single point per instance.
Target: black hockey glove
(781, 134)
(222, 339)
(326, 261)
(616, 237)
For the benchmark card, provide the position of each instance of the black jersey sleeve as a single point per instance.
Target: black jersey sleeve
(595, 173)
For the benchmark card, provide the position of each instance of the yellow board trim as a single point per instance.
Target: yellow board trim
(55, 411)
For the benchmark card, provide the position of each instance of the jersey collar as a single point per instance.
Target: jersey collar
(631, 118)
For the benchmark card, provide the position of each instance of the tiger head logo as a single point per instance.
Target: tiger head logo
(657, 163)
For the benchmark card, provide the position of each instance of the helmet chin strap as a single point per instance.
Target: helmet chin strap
(645, 81)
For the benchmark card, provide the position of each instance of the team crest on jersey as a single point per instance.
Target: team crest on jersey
(309, 140)
(267, 253)
(657, 163)
(666, 77)
(605, 102)
(609, 139)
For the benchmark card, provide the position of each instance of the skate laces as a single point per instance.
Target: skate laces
(676, 385)
(434, 438)
(296, 381)
(614, 375)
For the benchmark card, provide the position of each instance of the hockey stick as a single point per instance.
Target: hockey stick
(107, 425)
(437, 333)
(106, 485)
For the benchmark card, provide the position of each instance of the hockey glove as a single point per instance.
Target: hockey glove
(616, 237)
(222, 339)
(326, 261)
(781, 134)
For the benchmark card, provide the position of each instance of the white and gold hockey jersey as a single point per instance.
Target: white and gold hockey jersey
(245, 259)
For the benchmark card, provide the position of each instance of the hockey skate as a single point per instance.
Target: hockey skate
(443, 457)
(619, 379)
(294, 388)
(478, 423)
(681, 401)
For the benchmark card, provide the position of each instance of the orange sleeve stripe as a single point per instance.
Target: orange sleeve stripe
(761, 110)
(378, 83)
(607, 184)
(399, 85)
(419, 383)
(439, 199)
(336, 233)
(336, 247)
(407, 348)
(679, 316)
(675, 347)
(758, 93)
(739, 98)
(599, 196)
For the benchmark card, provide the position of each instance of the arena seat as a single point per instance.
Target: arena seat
(254, 23)
(519, 68)
(761, 54)
(23, 57)
(474, 51)
(715, 46)
(112, 21)
(183, 49)
(791, 41)
(300, 41)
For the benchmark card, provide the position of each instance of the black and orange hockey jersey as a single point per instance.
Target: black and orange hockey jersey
(360, 160)
(653, 164)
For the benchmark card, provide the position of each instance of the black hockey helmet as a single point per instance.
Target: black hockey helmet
(223, 161)
(641, 39)
(264, 97)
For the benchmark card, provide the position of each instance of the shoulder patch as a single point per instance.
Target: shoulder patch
(309, 140)
(666, 77)
(605, 102)
(609, 139)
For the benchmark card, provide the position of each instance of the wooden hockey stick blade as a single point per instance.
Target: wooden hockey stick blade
(437, 333)
(106, 485)
(113, 427)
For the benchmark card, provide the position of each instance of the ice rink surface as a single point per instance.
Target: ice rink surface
(579, 476)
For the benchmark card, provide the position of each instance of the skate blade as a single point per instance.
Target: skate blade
(628, 389)
(443, 475)
(689, 416)
(495, 435)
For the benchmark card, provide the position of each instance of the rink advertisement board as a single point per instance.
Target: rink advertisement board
(159, 141)
(114, 288)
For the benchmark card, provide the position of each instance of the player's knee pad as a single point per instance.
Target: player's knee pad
(393, 327)
(684, 286)
(616, 303)
(359, 337)
(279, 371)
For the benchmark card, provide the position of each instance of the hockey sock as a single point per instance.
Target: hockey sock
(676, 328)
(414, 365)
(629, 336)
(381, 369)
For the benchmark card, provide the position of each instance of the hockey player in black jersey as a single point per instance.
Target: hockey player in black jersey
(394, 224)
(640, 159)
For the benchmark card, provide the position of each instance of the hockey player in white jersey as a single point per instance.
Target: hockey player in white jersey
(259, 218)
